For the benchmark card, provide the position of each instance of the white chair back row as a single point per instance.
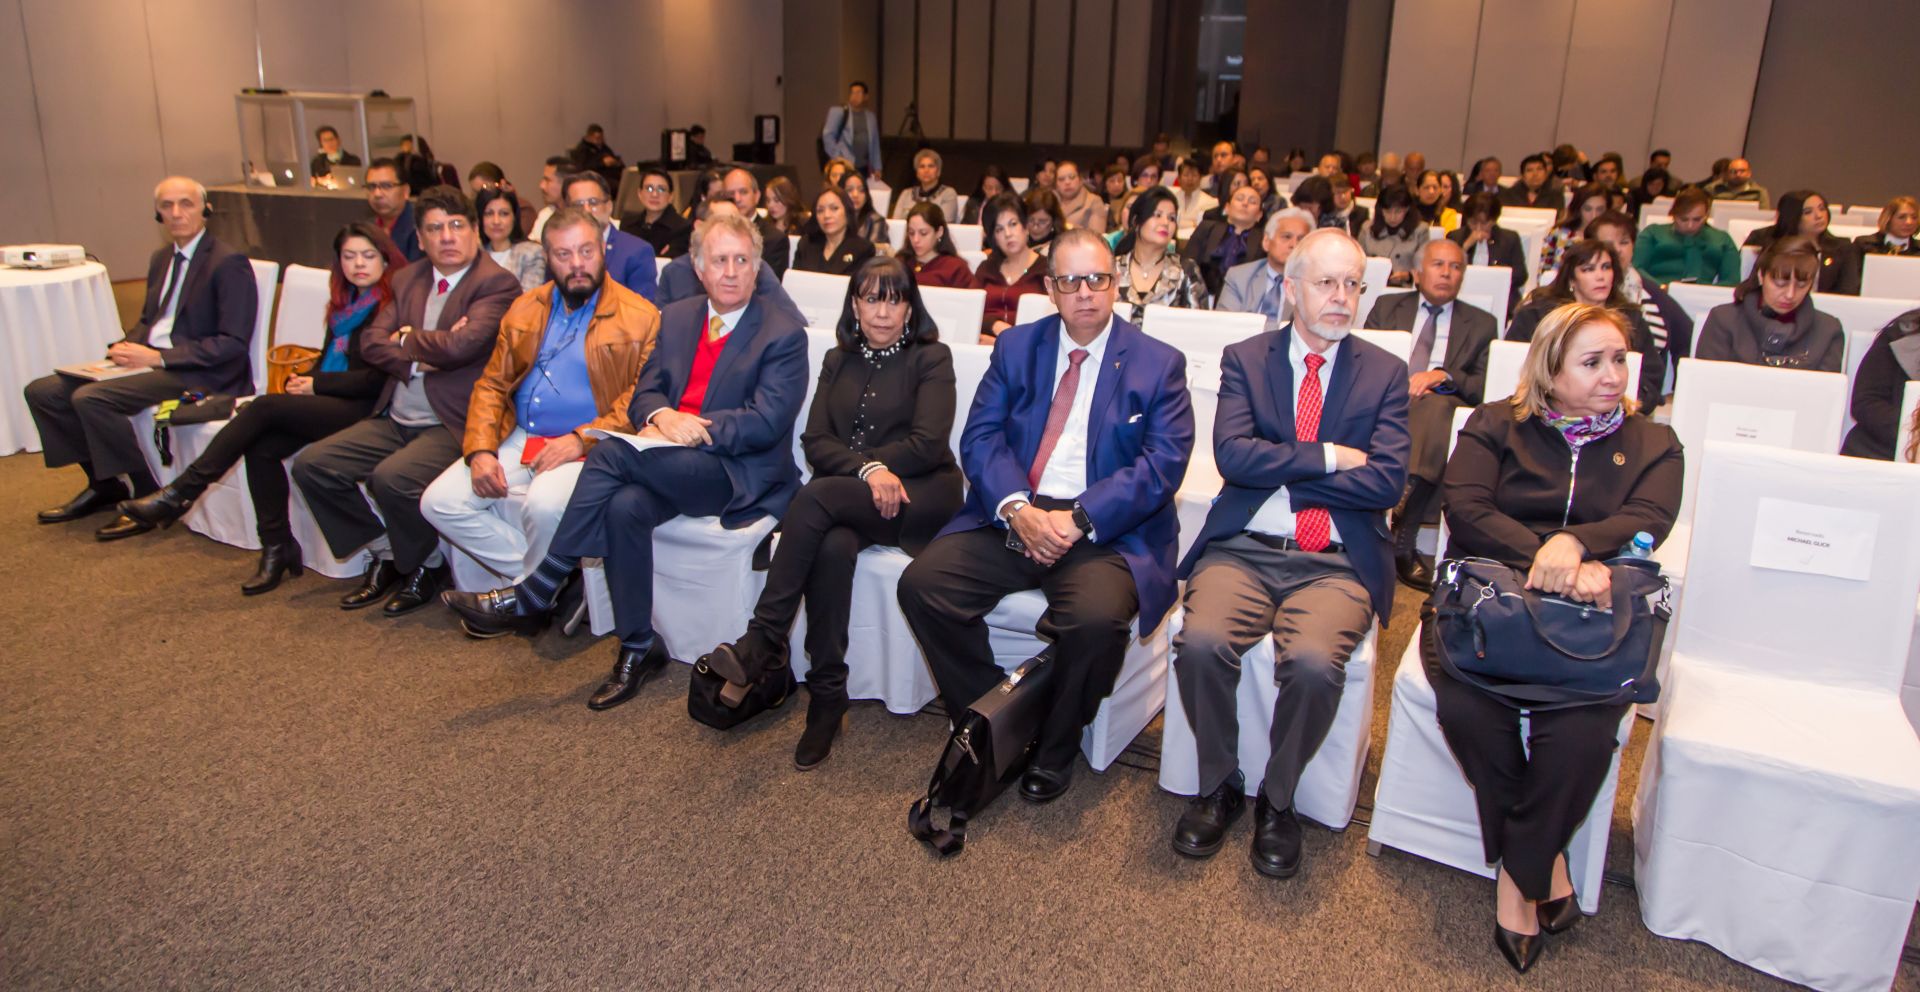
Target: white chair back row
(1033, 306)
(1890, 277)
(1487, 287)
(1505, 359)
(965, 237)
(1855, 313)
(301, 315)
(1201, 335)
(1375, 280)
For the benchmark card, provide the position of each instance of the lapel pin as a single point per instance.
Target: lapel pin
(1619, 459)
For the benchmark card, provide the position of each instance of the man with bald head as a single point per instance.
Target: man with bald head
(1738, 184)
(195, 333)
(1447, 369)
(1311, 441)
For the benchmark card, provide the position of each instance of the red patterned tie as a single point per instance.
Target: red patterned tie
(1057, 416)
(1312, 527)
(443, 287)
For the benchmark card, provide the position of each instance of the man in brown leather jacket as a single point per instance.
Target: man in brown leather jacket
(566, 361)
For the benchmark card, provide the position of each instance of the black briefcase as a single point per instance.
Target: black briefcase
(992, 744)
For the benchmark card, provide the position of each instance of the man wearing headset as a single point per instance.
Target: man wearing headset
(195, 333)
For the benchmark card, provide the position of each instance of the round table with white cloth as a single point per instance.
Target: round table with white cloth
(48, 317)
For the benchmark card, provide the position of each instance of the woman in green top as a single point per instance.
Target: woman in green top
(1689, 249)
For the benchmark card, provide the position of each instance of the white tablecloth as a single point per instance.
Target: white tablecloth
(47, 318)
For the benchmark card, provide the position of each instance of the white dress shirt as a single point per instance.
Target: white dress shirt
(160, 335)
(1065, 476)
(1482, 253)
(1275, 516)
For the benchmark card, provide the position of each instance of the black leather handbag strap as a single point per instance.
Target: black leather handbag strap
(945, 842)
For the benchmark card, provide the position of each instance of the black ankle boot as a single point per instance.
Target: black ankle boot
(1408, 562)
(826, 718)
(164, 505)
(276, 562)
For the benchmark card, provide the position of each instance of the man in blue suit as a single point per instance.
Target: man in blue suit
(1080, 433)
(1311, 440)
(629, 258)
(853, 133)
(718, 398)
(679, 280)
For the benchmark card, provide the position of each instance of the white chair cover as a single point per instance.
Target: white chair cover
(1505, 359)
(897, 231)
(957, 312)
(1330, 784)
(1399, 344)
(1378, 270)
(1201, 335)
(704, 585)
(1423, 805)
(1862, 314)
(301, 316)
(1780, 794)
(1890, 275)
(973, 260)
(1486, 287)
(819, 295)
(1033, 306)
(1697, 299)
(966, 237)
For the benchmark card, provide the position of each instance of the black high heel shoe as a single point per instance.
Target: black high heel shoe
(826, 719)
(1520, 949)
(1559, 915)
(277, 561)
(162, 507)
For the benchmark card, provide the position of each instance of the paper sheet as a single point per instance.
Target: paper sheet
(1750, 424)
(639, 443)
(1817, 540)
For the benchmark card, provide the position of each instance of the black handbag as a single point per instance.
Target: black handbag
(1542, 652)
(992, 744)
(704, 702)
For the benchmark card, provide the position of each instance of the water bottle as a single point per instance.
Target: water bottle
(1640, 547)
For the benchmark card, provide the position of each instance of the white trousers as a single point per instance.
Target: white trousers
(509, 536)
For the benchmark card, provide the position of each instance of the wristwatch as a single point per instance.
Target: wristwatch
(1007, 512)
(1080, 518)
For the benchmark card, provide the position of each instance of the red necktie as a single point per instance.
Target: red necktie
(443, 287)
(1057, 416)
(1313, 526)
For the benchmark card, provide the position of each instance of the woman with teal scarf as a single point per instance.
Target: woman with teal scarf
(340, 389)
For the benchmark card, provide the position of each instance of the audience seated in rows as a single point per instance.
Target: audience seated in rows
(927, 188)
(1535, 188)
(1688, 249)
(629, 260)
(1396, 233)
(826, 243)
(1736, 183)
(1668, 323)
(1259, 286)
(663, 228)
(1147, 270)
(1589, 273)
(744, 190)
(1892, 361)
(1218, 245)
(391, 199)
(867, 221)
(1804, 213)
(929, 253)
(503, 240)
(1771, 320)
(1011, 269)
(1485, 242)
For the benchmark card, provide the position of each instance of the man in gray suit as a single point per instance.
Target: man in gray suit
(1446, 370)
(1259, 286)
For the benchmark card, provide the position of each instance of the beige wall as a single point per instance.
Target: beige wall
(1468, 78)
(100, 98)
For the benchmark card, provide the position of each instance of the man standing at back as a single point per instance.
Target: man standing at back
(1079, 435)
(853, 133)
(1446, 370)
(195, 332)
(1311, 441)
(432, 341)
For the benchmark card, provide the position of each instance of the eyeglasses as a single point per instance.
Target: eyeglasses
(456, 225)
(1099, 282)
(654, 188)
(382, 187)
(589, 203)
(1325, 285)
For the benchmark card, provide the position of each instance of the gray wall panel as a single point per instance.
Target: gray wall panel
(1050, 39)
(1613, 78)
(1132, 53)
(1429, 78)
(1707, 82)
(26, 199)
(1007, 120)
(936, 67)
(970, 73)
(897, 44)
(1517, 71)
(1087, 125)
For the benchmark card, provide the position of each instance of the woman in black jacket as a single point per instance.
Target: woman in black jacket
(1772, 320)
(340, 389)
(1667, 321)
(1487, 243)
(1804, 213)
(883, 473)
(1550, 483)
(1589, 273)
(1899, 221)
(828, 242)
(1892, 361)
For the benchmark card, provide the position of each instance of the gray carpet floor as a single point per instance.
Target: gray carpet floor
(205, 791)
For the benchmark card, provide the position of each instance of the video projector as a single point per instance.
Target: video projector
(42, 256)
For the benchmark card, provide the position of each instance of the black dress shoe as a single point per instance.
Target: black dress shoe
(86, 502)
(422, 586)
(631, 670)
(495, 613)
(1276, 839)
(1559, 915)
(162, 507)
(826, 718)
(1415, 572)
(1203, 827)
(380, 579)
(1520, 949)
(121, 526)
(276, 562)
(1040, 785)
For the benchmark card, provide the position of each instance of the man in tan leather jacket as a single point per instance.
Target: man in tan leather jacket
(566, 361)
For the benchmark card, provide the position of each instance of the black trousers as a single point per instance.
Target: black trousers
(397, 464)
(1530, 800)
(85, 423)
(1091, 602)
(265, 433)
(622, 495)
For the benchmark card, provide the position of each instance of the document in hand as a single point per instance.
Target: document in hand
(99, 371)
